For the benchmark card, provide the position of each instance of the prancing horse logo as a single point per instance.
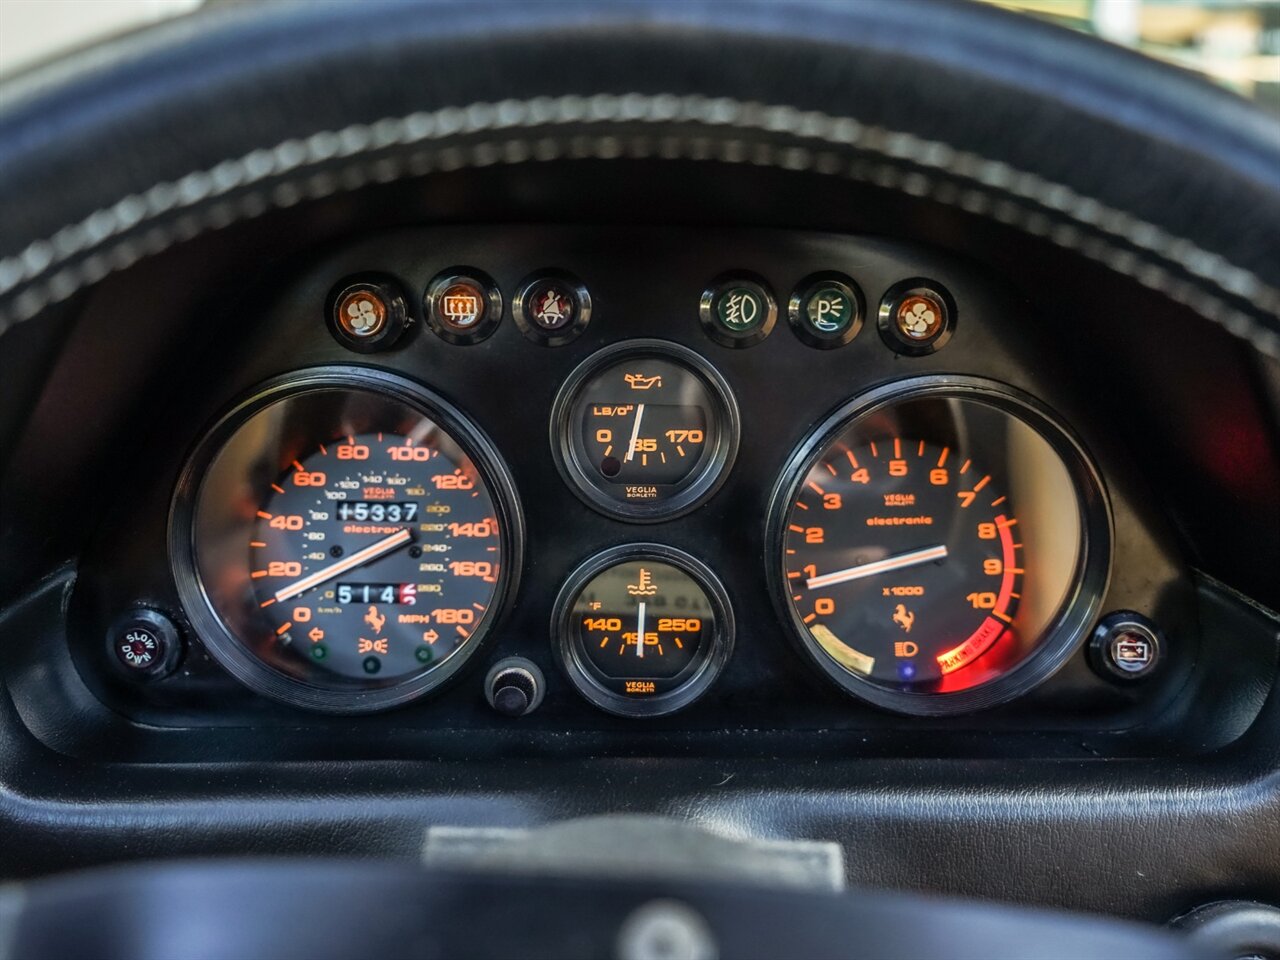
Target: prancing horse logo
(904, 618)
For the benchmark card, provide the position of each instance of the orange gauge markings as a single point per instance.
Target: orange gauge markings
(908, 591)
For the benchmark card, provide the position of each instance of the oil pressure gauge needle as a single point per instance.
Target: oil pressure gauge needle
(914, 558)
(635, 434)
(359, 558)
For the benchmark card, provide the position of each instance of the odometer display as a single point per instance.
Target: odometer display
(943, 545)
(378, 511)
(349, 544)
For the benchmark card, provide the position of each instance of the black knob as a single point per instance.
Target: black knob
(1126, 646)
(368, 313)
(145, 644)
(514, 686)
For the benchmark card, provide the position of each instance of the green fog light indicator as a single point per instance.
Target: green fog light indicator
(739, 308)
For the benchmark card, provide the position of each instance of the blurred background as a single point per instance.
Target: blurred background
(1234, 42)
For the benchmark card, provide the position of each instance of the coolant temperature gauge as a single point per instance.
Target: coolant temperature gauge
(643, 629)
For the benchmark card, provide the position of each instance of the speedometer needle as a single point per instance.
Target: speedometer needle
(878, 566)
(360, 557)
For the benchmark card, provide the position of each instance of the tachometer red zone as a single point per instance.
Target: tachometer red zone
(903, 561)
(982, 639)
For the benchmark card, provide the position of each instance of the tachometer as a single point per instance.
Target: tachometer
(344, 540)
(942, 545)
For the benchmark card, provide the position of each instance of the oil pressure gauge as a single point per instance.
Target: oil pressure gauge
(645, 430)
(642, 630)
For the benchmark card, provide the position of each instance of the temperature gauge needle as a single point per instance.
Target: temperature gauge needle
(640, 632)
(902, 560)
(360, 557)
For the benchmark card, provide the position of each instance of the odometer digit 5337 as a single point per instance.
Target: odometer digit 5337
(344, 546)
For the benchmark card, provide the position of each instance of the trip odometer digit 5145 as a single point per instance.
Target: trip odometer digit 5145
(344, 546)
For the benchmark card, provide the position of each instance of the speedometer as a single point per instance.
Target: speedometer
(942, 545)
(344, 540)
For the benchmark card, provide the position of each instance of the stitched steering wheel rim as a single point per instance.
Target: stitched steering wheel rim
(109, 230)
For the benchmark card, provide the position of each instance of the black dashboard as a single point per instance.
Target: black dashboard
(508, 399)
(741, 431)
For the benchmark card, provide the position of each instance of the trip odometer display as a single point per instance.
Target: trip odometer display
(943, 545)
(349, 545)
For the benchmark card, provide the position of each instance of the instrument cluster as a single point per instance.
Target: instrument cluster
(861, 498)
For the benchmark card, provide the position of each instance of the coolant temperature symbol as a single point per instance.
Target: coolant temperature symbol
(645, 587)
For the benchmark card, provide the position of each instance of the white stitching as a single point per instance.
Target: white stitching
(194, 191)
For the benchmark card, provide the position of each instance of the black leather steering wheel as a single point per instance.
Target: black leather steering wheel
(121, 154)
(142, 144)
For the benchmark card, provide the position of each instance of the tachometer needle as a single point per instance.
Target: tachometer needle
(640, 632)
(902, 560)
(359, 558)
(635, 434)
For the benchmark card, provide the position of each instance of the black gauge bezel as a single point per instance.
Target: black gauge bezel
(717, 331)
(492, 313)
(1064, 634)
(573, 660)
(905, 346)
(551, 338)
(234, 655)
(1113, 624)
(387, 288)
(566, 445)
(805, 289)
